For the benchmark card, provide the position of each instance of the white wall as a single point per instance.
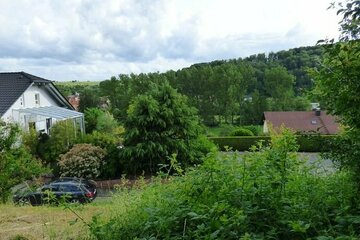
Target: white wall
(28, 100)
(265, 128)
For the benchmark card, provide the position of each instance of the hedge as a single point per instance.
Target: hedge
(307, 143)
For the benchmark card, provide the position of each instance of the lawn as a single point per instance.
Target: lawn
(48, 222)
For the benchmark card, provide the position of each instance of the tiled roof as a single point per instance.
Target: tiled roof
(12, 85)
(304, 121)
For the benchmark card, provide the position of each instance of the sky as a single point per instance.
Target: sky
(95, 39)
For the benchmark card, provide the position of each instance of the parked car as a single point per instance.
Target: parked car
(89, 184)
(56, 192)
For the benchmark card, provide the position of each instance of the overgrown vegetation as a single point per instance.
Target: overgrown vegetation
(337, 85)
(16, 162)
(266, 194)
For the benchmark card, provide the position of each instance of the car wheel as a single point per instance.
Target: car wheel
(33, 201)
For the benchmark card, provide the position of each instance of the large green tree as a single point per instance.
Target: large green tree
(338, 86)
(159, 124)
(279, 85)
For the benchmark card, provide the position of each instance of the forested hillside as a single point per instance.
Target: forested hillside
(235, 91)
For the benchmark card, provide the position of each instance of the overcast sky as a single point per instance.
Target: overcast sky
(97, 39)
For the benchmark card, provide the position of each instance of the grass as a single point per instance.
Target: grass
(48, 222)
(221, 130)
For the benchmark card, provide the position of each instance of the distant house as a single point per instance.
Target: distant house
(300, 121)
(35, 102)
(74, 100)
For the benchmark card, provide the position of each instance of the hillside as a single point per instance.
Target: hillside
(235, 91)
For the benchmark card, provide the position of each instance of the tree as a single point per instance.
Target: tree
(91, 118)
(160, 124)
(16, 163)
(89, 98)
(63, 137)
(337, 86)
(97, 119)
(279, 85)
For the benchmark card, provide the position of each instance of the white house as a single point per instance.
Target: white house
(32, 101)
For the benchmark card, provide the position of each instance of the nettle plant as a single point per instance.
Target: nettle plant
(82, 160)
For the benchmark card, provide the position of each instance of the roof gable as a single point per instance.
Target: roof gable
(304, 121)
(14, 84)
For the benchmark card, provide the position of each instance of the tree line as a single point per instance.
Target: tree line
(235, 91)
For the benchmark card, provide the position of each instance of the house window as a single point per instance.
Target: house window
(21, 101)
(37, 98)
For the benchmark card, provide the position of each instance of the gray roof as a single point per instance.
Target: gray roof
(13, 84)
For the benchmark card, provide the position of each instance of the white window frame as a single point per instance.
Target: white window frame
(37, 99)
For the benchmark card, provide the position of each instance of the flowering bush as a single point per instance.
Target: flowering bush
(83, 160)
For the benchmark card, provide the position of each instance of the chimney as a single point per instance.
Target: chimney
(317, 112)
(314, 106)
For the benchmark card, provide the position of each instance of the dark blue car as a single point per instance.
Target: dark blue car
(57, 192)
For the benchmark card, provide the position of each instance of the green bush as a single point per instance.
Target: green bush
(313, 143)
(83, 161)
(307, 143)
(255, 129)
(112, 144)
(242, 132)
(63, 137)
(265, 194)
(16, 162)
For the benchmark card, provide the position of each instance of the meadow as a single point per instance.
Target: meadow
(48, 222)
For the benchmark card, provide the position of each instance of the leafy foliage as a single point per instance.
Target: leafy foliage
(16, 163)
(99, 120)
(82, 160)
(63, 137)
(159, 124)
(111, 143)
(228, 91)
(265, 194)
(337, 85)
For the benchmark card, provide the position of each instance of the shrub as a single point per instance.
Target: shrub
(242, 132)
(256, 130)
(16, 163)
(83, 160)
(264, 194)
(307, 143)
(112, 144)
(63, 137)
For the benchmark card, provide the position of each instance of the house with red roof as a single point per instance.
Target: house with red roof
(315, 121)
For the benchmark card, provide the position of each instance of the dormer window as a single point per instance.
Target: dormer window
(37, 99)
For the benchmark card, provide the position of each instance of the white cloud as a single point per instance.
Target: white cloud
(95, 39)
